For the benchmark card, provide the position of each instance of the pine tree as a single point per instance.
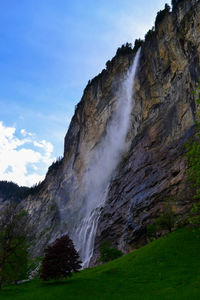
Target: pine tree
(60, 260)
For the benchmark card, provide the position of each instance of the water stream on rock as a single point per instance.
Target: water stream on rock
(106, 157)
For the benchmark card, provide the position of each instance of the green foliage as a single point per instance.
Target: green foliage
(107, 252)
(152, 230)
(165, 221)
(13, 245)
(16, 266)
(194, 215)
(161, 15)
(193, 159)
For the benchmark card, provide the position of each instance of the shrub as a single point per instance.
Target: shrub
(193, 151)
(138, 44)
(152, 230)
(150, 33)
(193, 171)
(165, 221)
(60, 260)
(107, 252)
(56, 164)
(124, 49)
(194, 215)
(108, 64)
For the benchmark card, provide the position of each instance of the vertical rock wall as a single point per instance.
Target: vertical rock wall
(154, 167)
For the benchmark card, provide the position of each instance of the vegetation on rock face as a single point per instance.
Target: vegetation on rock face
(164, 222)
(149, 33)
(60, 260)
(138, 43)
(13, 244)
(193, 158)
(124, 49)
(161, 14)
(193, 152)
(56, 164)
(107, 252)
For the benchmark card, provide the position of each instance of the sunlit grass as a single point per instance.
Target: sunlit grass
(168, 268)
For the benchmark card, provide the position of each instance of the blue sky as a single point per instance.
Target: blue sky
(49, 49)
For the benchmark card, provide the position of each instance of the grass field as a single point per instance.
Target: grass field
(168, 268)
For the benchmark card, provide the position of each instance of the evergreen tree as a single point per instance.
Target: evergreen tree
(60, 260)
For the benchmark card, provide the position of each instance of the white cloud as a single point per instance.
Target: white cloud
(25, 133)
(19, 155)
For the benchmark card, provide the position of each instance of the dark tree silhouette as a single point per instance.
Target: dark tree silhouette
(60, 260)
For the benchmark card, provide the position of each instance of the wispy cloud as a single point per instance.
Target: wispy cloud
(23, 157)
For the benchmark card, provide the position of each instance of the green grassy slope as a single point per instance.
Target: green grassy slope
(168, 268)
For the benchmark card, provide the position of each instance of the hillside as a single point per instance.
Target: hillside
(168, 268)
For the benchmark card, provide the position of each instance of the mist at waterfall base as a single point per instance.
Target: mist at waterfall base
(105, 158)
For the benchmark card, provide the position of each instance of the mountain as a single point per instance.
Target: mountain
(124, 150)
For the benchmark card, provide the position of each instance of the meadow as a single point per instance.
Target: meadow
(168, 268)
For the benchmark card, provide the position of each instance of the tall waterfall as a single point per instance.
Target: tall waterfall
(106, 157)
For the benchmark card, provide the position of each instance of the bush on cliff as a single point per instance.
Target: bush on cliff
(193, 159)
(107, 252)
(149, 33)
(124, 49)
(161, 14)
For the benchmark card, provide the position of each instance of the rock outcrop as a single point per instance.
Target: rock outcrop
(154, 167)
(162, 121)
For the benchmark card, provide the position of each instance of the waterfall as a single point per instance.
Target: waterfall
(104, 161)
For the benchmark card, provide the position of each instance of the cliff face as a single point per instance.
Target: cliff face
(161, 121)
(164, 114)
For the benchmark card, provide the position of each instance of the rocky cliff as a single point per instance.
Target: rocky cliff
(153, 168)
